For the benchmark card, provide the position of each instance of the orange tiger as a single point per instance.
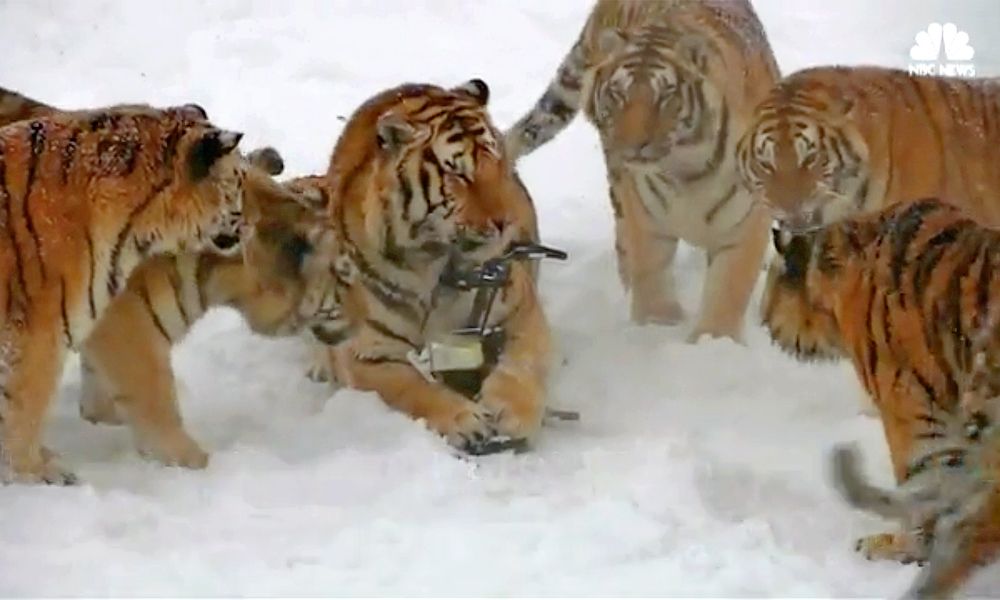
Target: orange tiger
(84, 198)
(420, 183)
(670, 86)
(909, 294)
(282, 284)
(833, 141)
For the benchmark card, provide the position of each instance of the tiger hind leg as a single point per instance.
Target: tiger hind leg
(36, 361)
(645, 257)
(730, 278)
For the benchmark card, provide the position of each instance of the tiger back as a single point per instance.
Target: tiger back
(281, 285)
(84, 198)
(421, 183)
(833, 141)
(670, 87)
(909, 295)
(18, 107)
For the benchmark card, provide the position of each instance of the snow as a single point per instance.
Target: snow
(695, 471)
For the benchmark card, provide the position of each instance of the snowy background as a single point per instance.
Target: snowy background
(696, 470)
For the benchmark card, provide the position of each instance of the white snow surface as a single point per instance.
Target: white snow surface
(697, 470)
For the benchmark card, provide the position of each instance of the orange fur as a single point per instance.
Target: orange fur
(908, 294)
(419, 179)
(86, 196)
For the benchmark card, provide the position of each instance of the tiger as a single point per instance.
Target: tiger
(906, 293)
(85, 196)
(420, 185)
(18, 107)
(281, 285)
(828, 142)
(670, 86)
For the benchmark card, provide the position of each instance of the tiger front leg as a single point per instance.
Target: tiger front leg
(733, 270)
(515, 389)
(35, 362)
(142, 388)
(645, 255)
(465, 424)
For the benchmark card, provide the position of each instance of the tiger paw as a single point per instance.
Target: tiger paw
(656, 312)
(899, 547)
(517, 406)
(175, 450)
(712, 333)
(468, 426)
(318, 373)
(45, 470)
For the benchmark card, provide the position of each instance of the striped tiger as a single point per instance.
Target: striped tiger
(833, 141)
(906, 293)
(281, 285)
(420, 182)
(670, 86)
(84, 198)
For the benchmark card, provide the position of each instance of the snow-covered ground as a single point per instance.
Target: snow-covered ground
(696, 470)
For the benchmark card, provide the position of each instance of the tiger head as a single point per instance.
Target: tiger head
(651, 100)
(426, 168)
(795, 306)
(290, 254)
(200, 207)
(806, 161)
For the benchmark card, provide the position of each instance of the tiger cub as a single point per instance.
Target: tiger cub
(282, 284)
(670, 86)
(833, 141)
(420, 183)
(84, 198)
(906, 293)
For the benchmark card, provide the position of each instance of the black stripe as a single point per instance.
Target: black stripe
(170, 144)
(91, 273)
(37, 140)
(69, 155)
(8, 226)
(381, 360)
(905, 227)
(144, 295)
(64, 313)
(712, 212)
(176, 285)
(384, 330)
(114, 268)
(722, 137)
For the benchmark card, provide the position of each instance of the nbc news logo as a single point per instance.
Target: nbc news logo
(926, 53)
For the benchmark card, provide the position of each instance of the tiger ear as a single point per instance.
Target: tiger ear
(268, 159)
(476, 88)
(193, 111)
(208, 149)
(393, 132)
